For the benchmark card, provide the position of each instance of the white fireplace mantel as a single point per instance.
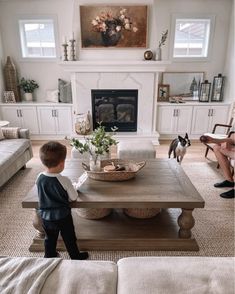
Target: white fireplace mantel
(142, 75)
(114, 66)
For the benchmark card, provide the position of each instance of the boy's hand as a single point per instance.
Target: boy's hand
(81, 180)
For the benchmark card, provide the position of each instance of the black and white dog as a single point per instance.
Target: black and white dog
(179, 146)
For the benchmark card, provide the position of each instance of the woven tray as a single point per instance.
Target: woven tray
(131, 167)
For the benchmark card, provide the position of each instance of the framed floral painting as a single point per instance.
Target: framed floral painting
(113, 26)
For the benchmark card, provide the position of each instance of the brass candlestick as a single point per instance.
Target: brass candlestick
(73, 57)
(65, 51)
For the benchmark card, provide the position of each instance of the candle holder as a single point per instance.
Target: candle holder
(65, 51)
(72, 53)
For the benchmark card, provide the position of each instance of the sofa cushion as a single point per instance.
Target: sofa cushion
(1, 135)
(152, 275)
(10, 150)
(80, 277)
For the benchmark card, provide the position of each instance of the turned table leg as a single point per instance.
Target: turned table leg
(37, 224)
(186, 223)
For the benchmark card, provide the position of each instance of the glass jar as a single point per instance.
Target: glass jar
(82, 123)
(95, 163)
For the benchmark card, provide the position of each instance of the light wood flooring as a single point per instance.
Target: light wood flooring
(195, 153)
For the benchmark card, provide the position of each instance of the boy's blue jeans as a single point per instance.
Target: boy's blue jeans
(66, 228)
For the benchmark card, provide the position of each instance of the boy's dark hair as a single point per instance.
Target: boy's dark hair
(52, 153)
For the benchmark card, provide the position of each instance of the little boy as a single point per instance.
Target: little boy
(55, 192)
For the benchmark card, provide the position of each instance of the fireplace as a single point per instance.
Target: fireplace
(115, 108)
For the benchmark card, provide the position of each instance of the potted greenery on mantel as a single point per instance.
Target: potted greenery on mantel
(96, 144)
(28, 86)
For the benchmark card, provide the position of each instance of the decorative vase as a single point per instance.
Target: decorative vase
(11, 78)
(95, 163)
(28, 96)
(110, 37)
(158, 54)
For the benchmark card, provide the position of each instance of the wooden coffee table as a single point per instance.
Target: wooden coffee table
(161, 184)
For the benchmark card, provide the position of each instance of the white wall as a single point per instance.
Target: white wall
(47, 73)
(229, 69)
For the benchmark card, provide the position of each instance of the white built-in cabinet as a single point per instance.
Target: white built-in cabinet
(55, 120)
(40, 119)
(173, 120)
(194, 119)
(205, 118)
(21, 116)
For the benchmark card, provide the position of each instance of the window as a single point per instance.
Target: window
(191, 38)
(37, 38)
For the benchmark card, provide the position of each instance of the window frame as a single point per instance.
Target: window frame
(25, 18)
(211, 36)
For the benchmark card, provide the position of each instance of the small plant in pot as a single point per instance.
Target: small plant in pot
(28, 86)
(96, 144)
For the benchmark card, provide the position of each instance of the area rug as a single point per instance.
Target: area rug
(214, 229)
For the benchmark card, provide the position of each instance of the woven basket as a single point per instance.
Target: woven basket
(93, 213)
(142, 212)
(131, 168)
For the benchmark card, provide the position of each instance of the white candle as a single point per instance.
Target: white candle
(72, 36)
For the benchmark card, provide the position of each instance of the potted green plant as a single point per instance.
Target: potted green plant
(28, 86)
(96, 144)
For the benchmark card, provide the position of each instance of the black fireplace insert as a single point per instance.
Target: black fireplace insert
(115, 108)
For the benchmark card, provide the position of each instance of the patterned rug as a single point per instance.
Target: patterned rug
(214, 229)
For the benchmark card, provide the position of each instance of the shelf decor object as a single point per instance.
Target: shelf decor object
(204, 93)
(72, 48)
(158, 56)
(11, 79)
(217, 88)
(65, 46)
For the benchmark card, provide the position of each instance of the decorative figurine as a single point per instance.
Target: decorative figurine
(148, 55)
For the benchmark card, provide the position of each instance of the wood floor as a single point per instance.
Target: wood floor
(195, 153)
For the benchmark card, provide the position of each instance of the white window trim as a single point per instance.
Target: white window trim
(53, 17)
(211, 37)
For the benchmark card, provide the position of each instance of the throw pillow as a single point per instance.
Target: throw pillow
(11, 133)
(65, 91)
(52, 96)
(1, 135)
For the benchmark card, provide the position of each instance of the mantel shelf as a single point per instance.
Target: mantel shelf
(115, 66)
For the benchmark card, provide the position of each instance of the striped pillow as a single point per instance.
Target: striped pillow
(11, 133)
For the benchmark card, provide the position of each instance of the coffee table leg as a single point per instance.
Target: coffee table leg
(37, 224)
(186, 223)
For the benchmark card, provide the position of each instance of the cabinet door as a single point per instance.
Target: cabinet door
(46, 118)
(12, 114)
(166, 119)
(30, 120)
(219, 115)
(64, 120)
(184, 118)
(201, 120)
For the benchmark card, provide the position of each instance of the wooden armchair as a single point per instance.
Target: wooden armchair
(216, 135)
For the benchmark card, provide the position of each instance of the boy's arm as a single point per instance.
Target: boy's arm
(68, 186)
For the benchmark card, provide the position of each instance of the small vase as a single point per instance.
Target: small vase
(28, 96)
(95, 164)
(158, 54)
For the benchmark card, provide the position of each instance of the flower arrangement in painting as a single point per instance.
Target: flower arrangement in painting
(122, 21)
(163, 39)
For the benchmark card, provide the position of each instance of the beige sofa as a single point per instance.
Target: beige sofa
(14, 152)
(133, 275)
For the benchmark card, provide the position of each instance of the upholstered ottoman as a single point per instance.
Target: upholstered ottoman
(136, 149)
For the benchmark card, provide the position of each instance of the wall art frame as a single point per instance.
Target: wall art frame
(163, 92)
(113, 26)
(184, 84)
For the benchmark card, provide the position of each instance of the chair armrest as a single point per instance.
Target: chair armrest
(221, 125)
(24, 133)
